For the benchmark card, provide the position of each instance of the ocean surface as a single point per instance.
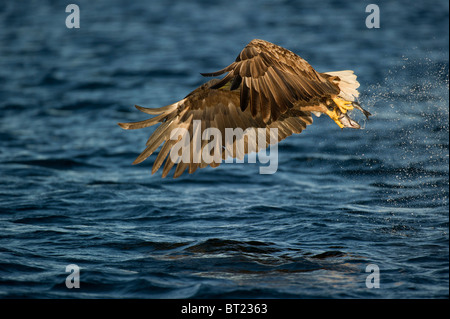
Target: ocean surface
(340, 201)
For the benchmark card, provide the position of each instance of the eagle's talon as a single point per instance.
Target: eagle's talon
(343, 105)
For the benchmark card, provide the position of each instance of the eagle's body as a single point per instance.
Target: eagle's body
(266, 87)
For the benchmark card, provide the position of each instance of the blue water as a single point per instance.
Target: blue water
(340, 200)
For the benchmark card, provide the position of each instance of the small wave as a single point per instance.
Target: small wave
(250, 257)
(94, 85)
(39, 220)
(18, 267)
(216, 245)
(161, 73)
(58, 163)
(85, 105)
(329, 254)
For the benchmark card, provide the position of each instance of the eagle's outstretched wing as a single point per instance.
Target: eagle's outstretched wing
(214, 108)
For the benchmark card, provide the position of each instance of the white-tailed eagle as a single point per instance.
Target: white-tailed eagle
(267, 87)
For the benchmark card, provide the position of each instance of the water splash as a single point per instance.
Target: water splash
(411, 126)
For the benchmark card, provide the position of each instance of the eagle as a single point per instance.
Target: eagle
(267, 87)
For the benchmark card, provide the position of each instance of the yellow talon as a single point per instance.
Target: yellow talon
(343, 105)
(335, 117)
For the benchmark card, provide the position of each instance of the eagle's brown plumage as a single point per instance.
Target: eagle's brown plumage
(266, 87)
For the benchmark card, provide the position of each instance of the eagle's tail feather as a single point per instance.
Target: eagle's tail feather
(347, 84)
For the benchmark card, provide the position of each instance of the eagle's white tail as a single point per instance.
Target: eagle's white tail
(347, 83)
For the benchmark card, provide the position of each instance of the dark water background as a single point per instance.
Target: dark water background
(341, 200)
